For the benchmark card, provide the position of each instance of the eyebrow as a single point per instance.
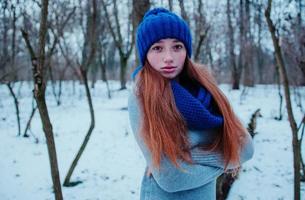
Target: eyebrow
(175, 40)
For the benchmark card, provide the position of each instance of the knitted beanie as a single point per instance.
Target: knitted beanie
(160, 23)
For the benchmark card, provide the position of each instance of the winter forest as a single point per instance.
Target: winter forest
(65, 76)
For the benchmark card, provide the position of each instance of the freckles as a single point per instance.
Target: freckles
(155, 57)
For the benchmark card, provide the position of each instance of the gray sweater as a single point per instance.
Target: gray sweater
(207, 165)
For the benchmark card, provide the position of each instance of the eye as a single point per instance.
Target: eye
(177, 47)
(156, 48)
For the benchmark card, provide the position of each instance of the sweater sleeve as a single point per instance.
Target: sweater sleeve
(216, 159)
(169, 177)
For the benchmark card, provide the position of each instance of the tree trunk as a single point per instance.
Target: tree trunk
(123, 62)
(38, 63)
(28, 124)
(59, 92)
(259, 52)
(86, 140)
(103, 72)
(201, 31)
(301, 140)
(300, 18)
(53, 84)
(39, 92)
(235, 72)
(139, 9)
(284, 77)
(197, 51)
(210, 56)
(89, 51)
(94, 76)
(248, 61)
(47, 127)
(4, 59)
(241, 57)
(235, 80)
(124, 52)
(16, 106)
(278, 81)
(183, 12)
(14, 42)
(102, 64)
(223, 186)
(170, 5)
(300, 34)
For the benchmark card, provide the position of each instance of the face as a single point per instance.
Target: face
(167, 56)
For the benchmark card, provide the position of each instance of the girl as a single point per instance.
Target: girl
(182, 122)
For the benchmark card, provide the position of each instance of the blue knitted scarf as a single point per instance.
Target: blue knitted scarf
(196, 108)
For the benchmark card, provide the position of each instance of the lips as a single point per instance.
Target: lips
(168, 69)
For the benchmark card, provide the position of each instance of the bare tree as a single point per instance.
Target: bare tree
(224, 184)
(246, 46)
(279, 91)
(201, 30)
(300, 33)
(124, 47)
(170, 5)
(183, 12)
(4, 56)
(14, 38)
(9, 85)
(103, 42)
(284, 77)
(259, 53)
(242, 33)
(139, 9)
(28, 124)
(301, 128)
(101, 61)
(69, 60)
(236, 71)
(38, 63)
(88, 56)
(57, 30)
(8, 54)
(293, 40)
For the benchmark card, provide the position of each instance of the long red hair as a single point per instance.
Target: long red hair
(164, 130)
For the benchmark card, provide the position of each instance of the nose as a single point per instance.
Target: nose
(167, 57)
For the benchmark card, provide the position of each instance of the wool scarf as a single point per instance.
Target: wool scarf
(196, 107)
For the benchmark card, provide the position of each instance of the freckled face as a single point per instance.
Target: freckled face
(167, 56)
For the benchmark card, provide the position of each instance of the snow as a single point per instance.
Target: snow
(112, 165)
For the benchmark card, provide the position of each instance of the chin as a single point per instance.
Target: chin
(169, 76)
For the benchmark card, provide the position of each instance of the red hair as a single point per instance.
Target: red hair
(164, 130)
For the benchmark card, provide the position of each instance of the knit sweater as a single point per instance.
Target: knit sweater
(207, 165)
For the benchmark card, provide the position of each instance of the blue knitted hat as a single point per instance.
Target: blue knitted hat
(157, 24)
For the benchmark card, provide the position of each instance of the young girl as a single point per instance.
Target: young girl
(182, 122)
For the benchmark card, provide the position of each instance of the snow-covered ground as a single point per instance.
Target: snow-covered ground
(112, 166)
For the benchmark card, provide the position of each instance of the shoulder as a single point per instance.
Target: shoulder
(133, 101)
(134, 110)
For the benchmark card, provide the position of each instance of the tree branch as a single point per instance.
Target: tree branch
(117, 43)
